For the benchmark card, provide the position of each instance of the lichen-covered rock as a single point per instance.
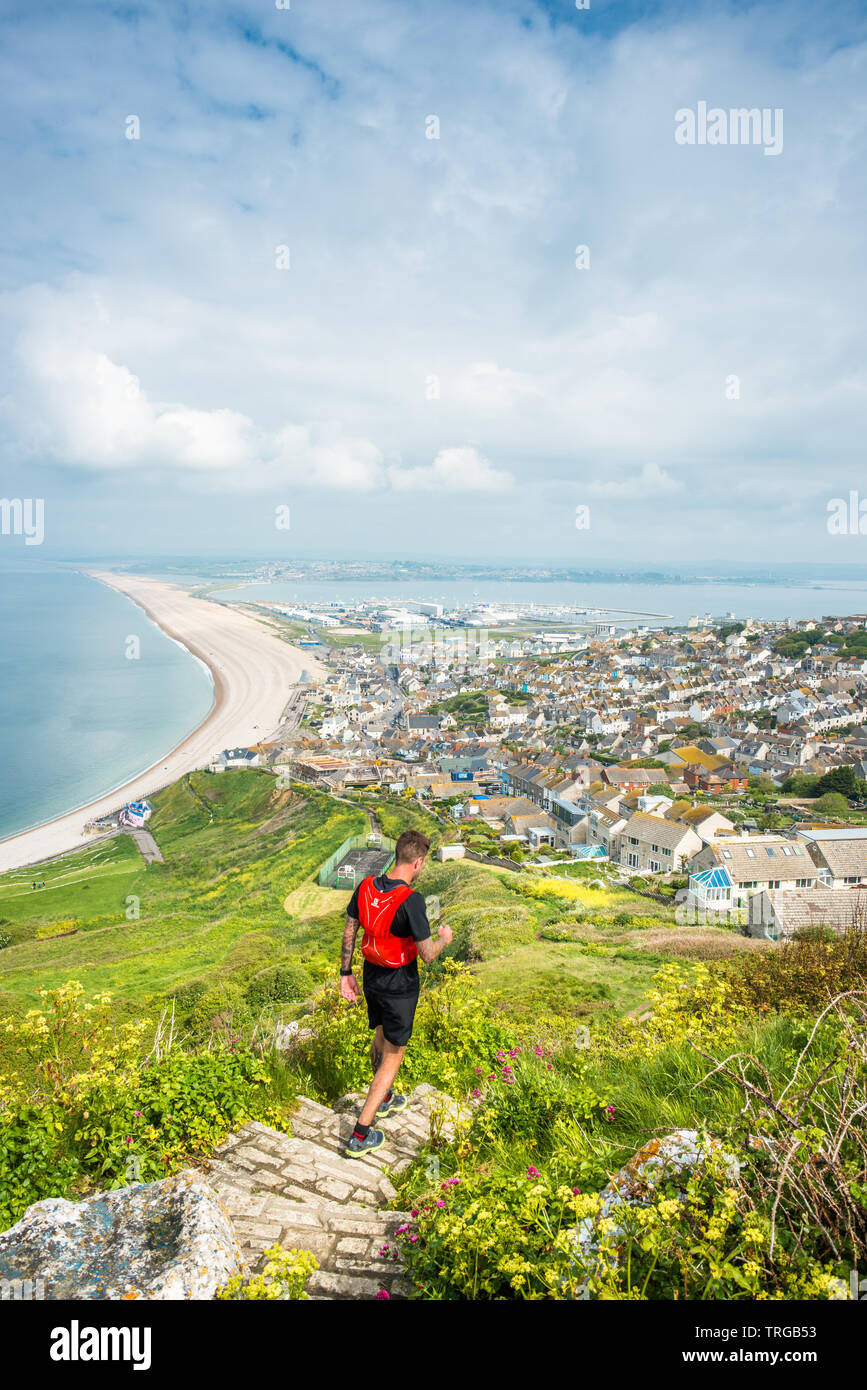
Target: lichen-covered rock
(171, 1239)
(673, 1155)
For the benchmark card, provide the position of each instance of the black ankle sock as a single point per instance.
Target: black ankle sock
(361, 1131)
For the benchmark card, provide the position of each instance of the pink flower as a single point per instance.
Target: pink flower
(138, 1114)
(384, 1250)
(400, 1230)
(492, 1076)
(539, 1051)
(576, 1191)
(383, 1294)
(440, 1202)
(128, 1140)
(500, 1056)
(514, 1051)
(414, 1211)
(413, 1239)
(533, 1172)
(454, 1182)
(476, 1093)
(478, 1071)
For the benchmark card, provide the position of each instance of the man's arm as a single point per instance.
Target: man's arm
(429, 949)
(347, 948)
(348, 986)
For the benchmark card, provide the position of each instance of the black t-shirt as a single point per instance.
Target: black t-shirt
(409, 920)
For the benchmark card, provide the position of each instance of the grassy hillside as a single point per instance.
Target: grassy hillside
(690, 1027)
(235, 848)
(234, 920)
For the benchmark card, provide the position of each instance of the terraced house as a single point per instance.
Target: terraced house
(656, 844)
(840, 856)
(748, 864)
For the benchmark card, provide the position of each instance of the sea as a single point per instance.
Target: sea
(626, 602)
(78, 716)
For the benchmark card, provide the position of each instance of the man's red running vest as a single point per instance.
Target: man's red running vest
(376, 914)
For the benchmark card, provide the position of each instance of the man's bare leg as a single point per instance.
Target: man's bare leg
(376, 1046)
(380, 1086)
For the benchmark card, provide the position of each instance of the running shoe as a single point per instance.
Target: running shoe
(357, 1148)
(391, 1103)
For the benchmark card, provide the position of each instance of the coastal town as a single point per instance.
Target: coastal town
(726, 758)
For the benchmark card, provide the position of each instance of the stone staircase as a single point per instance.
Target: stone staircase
(301, 1192)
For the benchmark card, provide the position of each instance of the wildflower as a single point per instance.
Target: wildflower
(128, 1139)
(454, 1182)
(500, 1056)
(510, 1080)
(478, 1071)
(400, 1230)
(440, 1202)
(533, 1172)
(576, 1191)
(476, 1093)
(138, 1114)
(413, 1239)
(414, 1211)
(384, 1250)
(539, 1051)
(383, 1294)
(513, 1052)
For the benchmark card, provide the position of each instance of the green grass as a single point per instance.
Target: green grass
(235, 847)
(237, 897)
(87, 886)
(560, 978)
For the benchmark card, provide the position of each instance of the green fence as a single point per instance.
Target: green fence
(329, 874)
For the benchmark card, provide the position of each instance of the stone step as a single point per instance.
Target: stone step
(299, 1191)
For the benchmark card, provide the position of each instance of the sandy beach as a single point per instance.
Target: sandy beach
(252, 670)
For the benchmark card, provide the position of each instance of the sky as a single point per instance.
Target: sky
(307, 280)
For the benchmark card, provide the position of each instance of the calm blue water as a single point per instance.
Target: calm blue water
(77, 717)
(769, 601)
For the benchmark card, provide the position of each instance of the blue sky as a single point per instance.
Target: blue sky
(283, 292)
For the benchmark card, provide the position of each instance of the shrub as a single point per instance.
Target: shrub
(454, 1027)
(283, 1277)
(283, 984)
(102, 1108)
(801, 974)
(525, 1100)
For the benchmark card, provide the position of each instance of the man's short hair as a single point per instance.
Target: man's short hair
(411, 845)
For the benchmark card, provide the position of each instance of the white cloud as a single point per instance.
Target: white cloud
(80, 409)
(453, 470)
(652, 481)
(452, 258)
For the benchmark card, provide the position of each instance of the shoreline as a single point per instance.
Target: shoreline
(252, 673)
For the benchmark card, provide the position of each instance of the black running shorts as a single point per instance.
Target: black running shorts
(395, 1012)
